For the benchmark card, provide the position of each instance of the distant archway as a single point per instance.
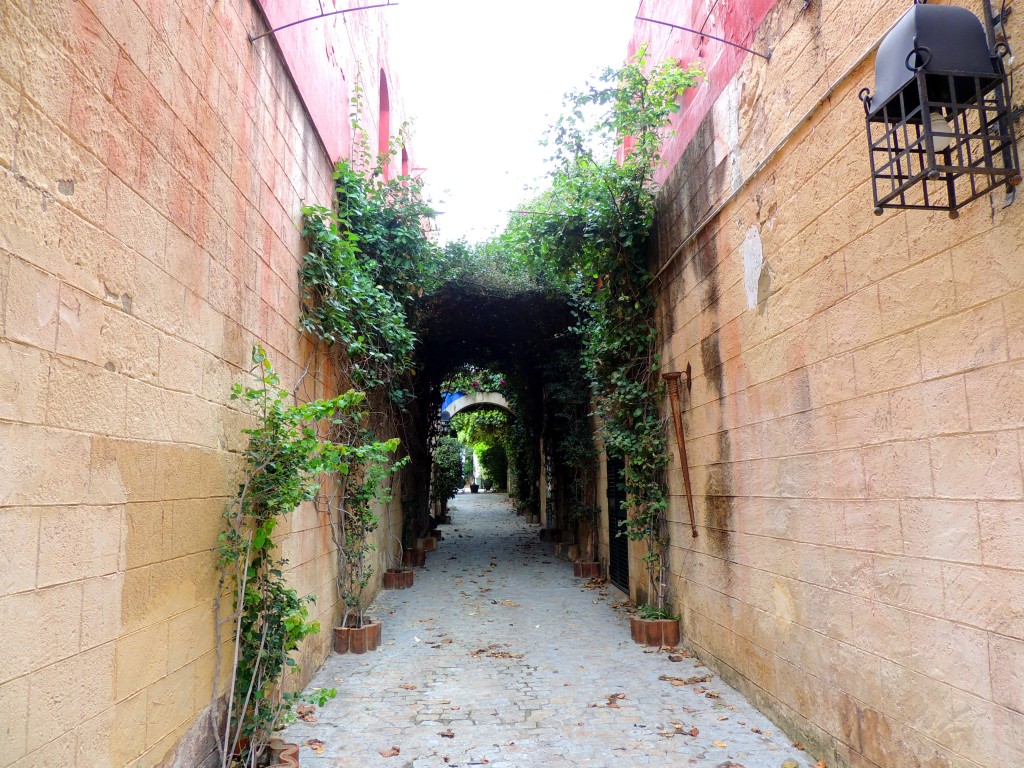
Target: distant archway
(474, 401)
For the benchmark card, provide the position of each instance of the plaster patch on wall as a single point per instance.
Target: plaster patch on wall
(753, 264)
(727, 131)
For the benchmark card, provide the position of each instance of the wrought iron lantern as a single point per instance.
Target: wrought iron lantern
(939, 122)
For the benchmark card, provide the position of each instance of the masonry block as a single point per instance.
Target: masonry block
(86, 398)
(128, 346)
(78, 543)
(14, 718)
(977, 466)
(140, 659)
(31, 306)
(70, 692)
(964, 341)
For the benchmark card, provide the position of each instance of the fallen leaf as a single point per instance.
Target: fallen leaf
(820, 764)
(721, 744)
(790, 764)
(407, 686)
(315, 744)
(306, 712)
(393, 752)
(713, 695)
(798, 745)
(510, 603)
(694, 732)
(449, 734)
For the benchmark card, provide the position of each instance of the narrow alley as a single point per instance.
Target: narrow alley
(497, 656)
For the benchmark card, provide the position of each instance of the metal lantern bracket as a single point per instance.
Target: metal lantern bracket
(940, 121)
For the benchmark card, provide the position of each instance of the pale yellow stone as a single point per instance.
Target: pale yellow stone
(127, 345)
(977, 466)
(40, 627)
(78, 543)
(140, 659)
(128, 739)
(190, 636)
(964, 341)
(19, 541)
(101, 610)
(80, 317)
(170, 704)
(31, 306)
(70, 692)
(14, 718)
(23, 385)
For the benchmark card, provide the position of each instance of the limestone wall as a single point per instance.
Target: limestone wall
(856, 417)
(152, 166)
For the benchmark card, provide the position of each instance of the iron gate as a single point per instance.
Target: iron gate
(618, 559)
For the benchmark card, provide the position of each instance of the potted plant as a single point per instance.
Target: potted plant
(398, 578)
(413, 556)
(654, 626)
(587, 567)
(359, 486)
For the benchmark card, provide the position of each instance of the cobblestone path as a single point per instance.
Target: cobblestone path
(497, 656)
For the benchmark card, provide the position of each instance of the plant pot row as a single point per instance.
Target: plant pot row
(659, 633)
(414, 558)
(358, 639)
(398, 578)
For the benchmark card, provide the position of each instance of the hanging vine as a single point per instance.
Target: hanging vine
(269, 620)
(587, 235)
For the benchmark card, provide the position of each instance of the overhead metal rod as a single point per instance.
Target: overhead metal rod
(253, 38)
(765, 56)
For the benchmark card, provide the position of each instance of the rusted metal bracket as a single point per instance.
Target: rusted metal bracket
(672, 382)
(766, 56)
(322, 15)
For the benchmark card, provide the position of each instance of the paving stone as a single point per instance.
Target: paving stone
(526, 678)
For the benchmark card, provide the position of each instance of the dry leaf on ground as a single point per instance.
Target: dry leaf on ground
(315, 744)
(449, 734)
(407, 686)
(393, 752)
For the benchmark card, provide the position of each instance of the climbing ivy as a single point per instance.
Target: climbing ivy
(470, 379)
(587, 235)
(370, 260)
(269, 619)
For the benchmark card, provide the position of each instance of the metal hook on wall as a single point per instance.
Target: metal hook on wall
(672, 382)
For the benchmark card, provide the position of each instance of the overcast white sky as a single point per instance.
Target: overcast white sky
(481, 80)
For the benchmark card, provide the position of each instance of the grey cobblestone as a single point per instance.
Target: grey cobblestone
(518, 660)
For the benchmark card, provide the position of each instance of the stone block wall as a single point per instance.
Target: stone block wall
(152, 167)
(856, 420)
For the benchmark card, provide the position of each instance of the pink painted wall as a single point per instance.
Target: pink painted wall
(319, 55)
(732, 20)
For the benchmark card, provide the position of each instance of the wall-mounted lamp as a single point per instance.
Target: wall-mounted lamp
(939, 122)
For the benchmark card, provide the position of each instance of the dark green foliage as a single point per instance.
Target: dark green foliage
(494, 463)
(283, 457)
(448, 470)
(586, 235)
